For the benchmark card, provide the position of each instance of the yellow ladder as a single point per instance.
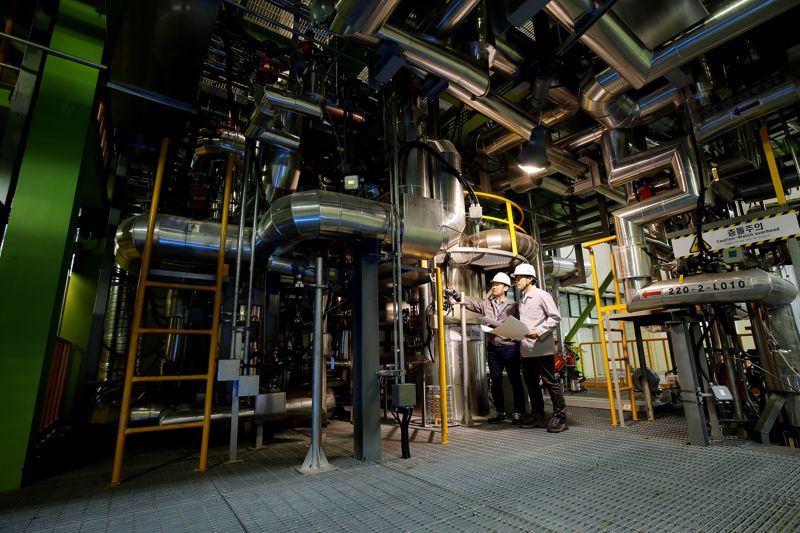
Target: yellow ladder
(137, 330)
(621, 356)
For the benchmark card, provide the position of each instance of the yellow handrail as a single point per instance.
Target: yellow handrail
(514, 226)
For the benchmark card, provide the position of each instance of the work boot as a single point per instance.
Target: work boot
(516, 419)
(534, 421)
(557, 425)
(497, 419)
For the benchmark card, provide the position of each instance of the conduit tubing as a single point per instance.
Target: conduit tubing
(750, 286)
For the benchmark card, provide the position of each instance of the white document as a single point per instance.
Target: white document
(511, 328)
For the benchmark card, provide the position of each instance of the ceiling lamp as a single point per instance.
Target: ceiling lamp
(533, 157)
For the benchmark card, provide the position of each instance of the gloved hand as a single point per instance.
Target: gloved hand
(452, 294)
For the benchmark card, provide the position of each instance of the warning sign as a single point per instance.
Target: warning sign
(695, 249)
(750, 233)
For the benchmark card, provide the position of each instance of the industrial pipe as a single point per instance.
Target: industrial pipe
(746, 286)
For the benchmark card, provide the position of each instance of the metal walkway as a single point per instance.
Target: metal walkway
(489, 478)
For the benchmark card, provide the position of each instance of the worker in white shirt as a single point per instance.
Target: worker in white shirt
(540, 314)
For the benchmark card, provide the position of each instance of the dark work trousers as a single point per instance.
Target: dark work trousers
(543, 367)
(507, 357)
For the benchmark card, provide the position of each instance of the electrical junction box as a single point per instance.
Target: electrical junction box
(228, 369)
(475, 213)
(248, 386)
(404, 394)
(351, 182)
(733, 256)
(721, 393)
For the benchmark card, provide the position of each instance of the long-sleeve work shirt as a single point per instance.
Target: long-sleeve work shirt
(539, 312)
(493, 313)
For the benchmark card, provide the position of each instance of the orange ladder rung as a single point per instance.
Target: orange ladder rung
(186, 286)
(187, 377)
(150, 429)
(177, 331)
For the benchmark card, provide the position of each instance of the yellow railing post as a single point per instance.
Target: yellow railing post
(442, 358)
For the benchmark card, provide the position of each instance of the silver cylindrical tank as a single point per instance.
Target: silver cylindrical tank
(470, 282)
(783, 361)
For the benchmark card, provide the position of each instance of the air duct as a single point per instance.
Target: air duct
(633, 65)
(451, 14)
(498, 140)
(362, 16)
(623, 52)
(783, 95)
(751, 286)
(428, 54)
(633, 263)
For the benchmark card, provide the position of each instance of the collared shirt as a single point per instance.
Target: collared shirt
(539, 312)
(493, 314)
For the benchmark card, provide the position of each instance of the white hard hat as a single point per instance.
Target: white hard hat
(524, 269)
(501, 278)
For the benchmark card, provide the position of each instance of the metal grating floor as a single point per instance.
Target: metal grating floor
(488, 478)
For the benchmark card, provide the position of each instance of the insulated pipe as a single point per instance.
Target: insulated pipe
(310, 215)
(290, 102)
(633, 65)
(633, 264)
(629, 59)
(783, 95)
(432, 56)
(746, 286)
(582, 138)
(362, 16)
(292, 219)
(616, 110)
(452, 13)
(449, 190)
(498, 140)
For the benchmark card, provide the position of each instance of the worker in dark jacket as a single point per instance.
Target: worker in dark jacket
(501, 352)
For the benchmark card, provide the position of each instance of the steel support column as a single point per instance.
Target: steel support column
(683, 340)
(366, 387)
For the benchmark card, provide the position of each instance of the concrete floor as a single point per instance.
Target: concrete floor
(488, 478)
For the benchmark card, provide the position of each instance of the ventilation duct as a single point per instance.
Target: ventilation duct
(633, 263)
(751, 286)
(633, 65)
(779, 97)
(430, 55)
(450, 15)
(362, 16)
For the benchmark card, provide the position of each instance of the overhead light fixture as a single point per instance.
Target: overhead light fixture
(533, 157)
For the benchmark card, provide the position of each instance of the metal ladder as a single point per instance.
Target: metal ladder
(621, 354)
(137, 330)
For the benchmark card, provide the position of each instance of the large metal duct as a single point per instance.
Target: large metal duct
(783, 95)
(615, 110)
(500, 239)
(623, 52)
(449, 190)
(362, 16)
(561, 267)
(290, 220)
(633, 263)
(428, 54)
(497, 140)
(633, 65)
(450, 14)
(311, 215)
(751, 286)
